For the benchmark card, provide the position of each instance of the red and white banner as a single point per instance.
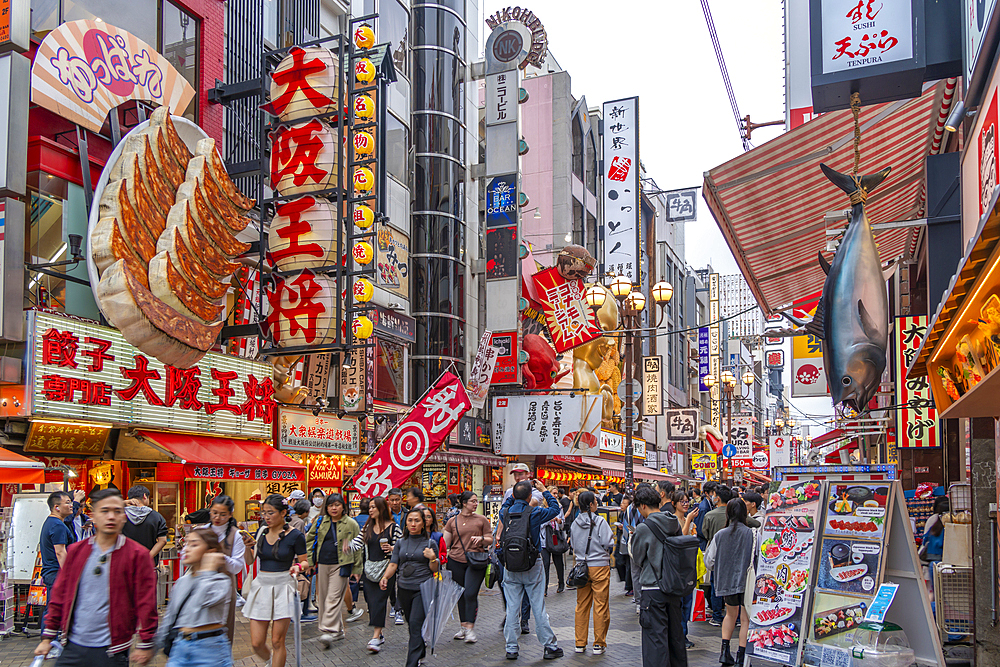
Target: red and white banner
(416, 437)
(570, 320)
(780, 449)
(916, 419)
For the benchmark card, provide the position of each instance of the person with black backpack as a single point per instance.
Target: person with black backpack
(667, 565)
(519, 548)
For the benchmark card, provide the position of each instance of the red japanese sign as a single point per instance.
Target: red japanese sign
(80, 370)
(916, 417)
(302, 310)
(325, 470)
(570, 320)
(415, 438)
(242, 473)
(304, 84)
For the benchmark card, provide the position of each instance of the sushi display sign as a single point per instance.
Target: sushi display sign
(784, 572)
(547, 425)
(857, 510)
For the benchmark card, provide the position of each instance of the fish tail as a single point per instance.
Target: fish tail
(856, 188)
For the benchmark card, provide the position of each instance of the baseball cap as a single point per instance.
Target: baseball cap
(297, 494)
(520, 466)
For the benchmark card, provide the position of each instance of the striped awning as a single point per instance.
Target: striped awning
(771, 202)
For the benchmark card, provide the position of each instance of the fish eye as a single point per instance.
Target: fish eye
(846, 380)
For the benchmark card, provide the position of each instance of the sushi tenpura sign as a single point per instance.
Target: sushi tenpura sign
(84, 69)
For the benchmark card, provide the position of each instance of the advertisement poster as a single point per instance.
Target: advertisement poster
(621, 187)
(784, 559)
(849, 566)
(547, 425)
(393, 260)
(435, 479)
(570, 321)
(482, 370)
(501, 252)
(857, 510)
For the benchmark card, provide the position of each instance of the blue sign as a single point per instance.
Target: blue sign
(729, 451)
(703, 362)
(501, 201)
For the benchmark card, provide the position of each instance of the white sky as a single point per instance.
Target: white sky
(661, 51)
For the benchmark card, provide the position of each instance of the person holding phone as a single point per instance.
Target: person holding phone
(328, 547)
(377, 538)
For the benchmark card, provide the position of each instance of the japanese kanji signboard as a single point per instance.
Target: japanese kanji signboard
(547, 425)
(393, 260)
(621, 188)
(704, 461)
(808, 369)
(916, 418)
(84, 69)
(740, 436)
(415, 437)
(81, 370)
(570, 320)
(652, 386)
(704, 358)
(301, 430)
(613, 442)
(858, 33)
(482, 370)
(67, 438)
(682, 425)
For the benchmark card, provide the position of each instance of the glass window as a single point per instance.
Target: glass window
(180, 47)
(44, 17)
(436, 234)
(139, 18)
(438, 288)
(397, 146)
(271, 23)
(394, 28)
(46, 241)
(438, 134)
(438, 186)
(437, 82)
(389, 371)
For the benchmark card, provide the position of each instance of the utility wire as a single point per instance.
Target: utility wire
(725, 73)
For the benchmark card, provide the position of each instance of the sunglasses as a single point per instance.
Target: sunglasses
(98, 571)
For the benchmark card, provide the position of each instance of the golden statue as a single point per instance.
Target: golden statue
(596, 364)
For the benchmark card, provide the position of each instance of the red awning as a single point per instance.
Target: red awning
(617, 469)
(207, 457)
(17, 469)
(770, 203)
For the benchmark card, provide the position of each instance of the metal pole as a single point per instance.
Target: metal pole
(629, 360)
(729, 427)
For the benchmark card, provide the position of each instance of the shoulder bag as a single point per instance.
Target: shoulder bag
(477, 560)
(579, 576)
(374, 569)
(174, 631)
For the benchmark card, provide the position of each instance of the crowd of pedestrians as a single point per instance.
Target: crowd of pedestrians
(99, 555)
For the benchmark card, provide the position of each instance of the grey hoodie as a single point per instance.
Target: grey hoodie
(601, 542)
(137, 513)
(647, 552)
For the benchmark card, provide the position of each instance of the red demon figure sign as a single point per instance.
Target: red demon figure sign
(570, 321)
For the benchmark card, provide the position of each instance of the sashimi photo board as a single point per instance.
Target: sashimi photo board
(860, 538)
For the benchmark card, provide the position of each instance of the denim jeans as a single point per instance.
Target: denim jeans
(686, 603)
(207, 652)
(516, 584)
(718, 604)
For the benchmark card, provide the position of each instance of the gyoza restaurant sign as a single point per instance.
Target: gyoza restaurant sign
(80, 370)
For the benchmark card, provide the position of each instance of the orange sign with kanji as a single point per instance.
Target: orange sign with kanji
(325, 470)
(66, 438)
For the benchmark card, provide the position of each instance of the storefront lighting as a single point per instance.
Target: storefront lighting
(957, 115)
(69, 423)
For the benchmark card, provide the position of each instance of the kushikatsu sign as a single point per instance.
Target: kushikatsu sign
(81, 370)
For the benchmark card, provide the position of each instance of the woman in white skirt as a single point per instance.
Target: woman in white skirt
(273, 598)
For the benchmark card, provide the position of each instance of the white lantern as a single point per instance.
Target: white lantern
(304, 158)
(303, 310)
(303, 235)
(304, 84)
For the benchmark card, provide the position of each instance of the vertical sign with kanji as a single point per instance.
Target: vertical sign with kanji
(621, 188)
(715, 347)
(652, 386)
(704, 365)
(916, 418)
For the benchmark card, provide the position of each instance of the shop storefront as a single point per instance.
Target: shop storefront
(328, 446)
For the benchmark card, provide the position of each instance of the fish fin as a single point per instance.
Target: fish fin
(867, 322)
(817, 324)
(825, 265)
(851, 184)
(889, 270)
(794, 320)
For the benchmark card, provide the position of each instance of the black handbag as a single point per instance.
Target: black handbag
(174, 631)
(477, 560)
(579, 576)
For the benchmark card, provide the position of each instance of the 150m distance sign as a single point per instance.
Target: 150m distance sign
(741, 438)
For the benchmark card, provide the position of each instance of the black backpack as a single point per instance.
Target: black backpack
(679, 563)
(517, 550)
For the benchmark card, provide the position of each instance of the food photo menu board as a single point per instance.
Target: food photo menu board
(784, 571)
(850, 559)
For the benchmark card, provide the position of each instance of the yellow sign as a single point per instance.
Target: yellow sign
(704, 461)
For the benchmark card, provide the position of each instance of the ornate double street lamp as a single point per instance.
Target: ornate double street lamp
(727, 384)
(631, 304)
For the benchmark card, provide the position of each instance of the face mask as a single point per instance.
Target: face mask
(318, 502)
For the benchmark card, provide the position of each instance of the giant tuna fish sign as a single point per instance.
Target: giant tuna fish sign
(852, 317)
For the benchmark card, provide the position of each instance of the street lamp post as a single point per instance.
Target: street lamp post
(632, 302)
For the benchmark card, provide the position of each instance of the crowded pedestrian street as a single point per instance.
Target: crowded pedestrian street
(623, 641)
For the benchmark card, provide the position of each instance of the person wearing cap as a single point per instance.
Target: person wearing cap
(519, 471)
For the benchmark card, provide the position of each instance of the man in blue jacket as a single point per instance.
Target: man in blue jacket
(532, 579)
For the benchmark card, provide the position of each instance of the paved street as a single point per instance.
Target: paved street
(623, 640)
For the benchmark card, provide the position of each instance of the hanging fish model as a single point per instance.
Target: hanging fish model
(852, 317)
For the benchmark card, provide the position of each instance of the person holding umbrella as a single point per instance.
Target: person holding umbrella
(415, 559)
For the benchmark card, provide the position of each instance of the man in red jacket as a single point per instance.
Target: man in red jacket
(105, 591)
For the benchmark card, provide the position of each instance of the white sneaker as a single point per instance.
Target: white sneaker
(375, 645)
(598, 650)
(326, 640)
(355, 614)
(581, 649)
(470, 637)
(399, 618)
(460, 634)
